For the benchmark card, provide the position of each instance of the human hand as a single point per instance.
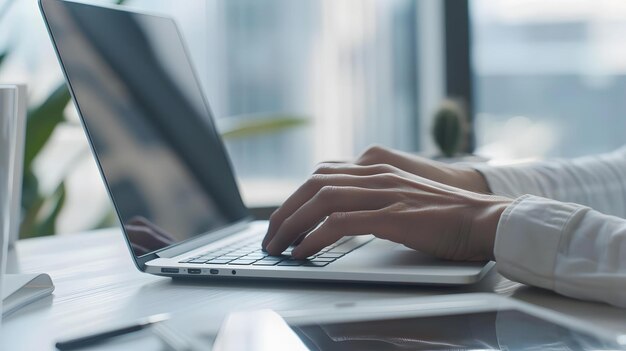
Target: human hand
(392, 204)
(455, 175)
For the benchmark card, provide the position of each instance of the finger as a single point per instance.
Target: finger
(404, 161)
(327, 201)
(367, 170)
(296, 241)
(354, 169)
(311, 187)
(302, 236)
(338, 225)
(396, 165)
(321, 163)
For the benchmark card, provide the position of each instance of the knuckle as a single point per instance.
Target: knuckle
(316, 180)
(385, 178)
(373, 152)
(337, 217)
(327, 191)
(375, 149)
(382, 168)
(274, 216)
(315, 183)
(392, 177)
(287, 222)
(324, 168)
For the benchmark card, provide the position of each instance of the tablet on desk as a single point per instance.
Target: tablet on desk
(453, 322)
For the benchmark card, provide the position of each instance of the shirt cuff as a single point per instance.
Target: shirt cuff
(529, 236)
(502, 181)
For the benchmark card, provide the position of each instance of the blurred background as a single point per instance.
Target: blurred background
(293, 83)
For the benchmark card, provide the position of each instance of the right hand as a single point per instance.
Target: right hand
(457, 176)
(422, 214)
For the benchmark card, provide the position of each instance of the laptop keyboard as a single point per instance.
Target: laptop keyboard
(249, 253)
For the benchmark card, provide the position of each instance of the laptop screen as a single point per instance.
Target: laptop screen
(149, 126)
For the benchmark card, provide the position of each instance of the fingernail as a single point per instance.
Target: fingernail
(270, 248)
(296, 253)
(266, 238)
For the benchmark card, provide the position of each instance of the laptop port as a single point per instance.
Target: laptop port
(170, 270)
(214, 271)
(193, 270)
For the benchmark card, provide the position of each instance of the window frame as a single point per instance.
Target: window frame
(458, 59)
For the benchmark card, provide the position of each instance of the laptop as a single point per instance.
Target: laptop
(167, 171)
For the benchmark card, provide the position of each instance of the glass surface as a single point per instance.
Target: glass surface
(549, 77)
(502, 330)
(163, 162)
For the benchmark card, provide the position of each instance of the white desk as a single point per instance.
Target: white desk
(97, 285)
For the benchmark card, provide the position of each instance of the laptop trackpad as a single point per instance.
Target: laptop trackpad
(383, 254)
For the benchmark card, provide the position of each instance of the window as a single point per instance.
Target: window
(549, 77)
(348, 70)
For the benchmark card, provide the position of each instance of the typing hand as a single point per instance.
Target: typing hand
(390, 203)
(454, 175)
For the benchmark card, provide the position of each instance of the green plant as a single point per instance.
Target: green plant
(40, 211)
(249, 125)
(450, 128)
(3, 56)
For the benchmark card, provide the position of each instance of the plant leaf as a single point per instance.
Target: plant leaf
(30, 190)
(3, 56)
(54, 204)
(109, 219)
(29, 222)
(264, 125)
(42, 121)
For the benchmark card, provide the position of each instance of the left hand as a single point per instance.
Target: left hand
(392, 204)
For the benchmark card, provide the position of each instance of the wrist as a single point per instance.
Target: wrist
(472, 180)
(488, 225)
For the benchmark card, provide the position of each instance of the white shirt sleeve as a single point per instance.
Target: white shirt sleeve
(595, 181)
(566, 247)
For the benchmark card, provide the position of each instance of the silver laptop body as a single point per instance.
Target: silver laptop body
(167, 172)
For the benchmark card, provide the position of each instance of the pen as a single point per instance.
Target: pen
(96, 338)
